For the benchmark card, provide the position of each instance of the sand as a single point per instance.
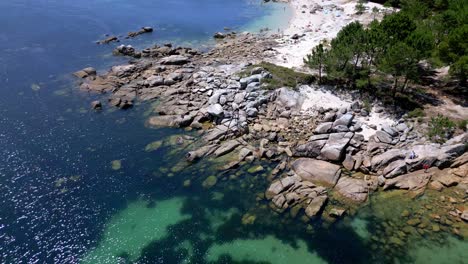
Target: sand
(316, 97)
(323, 24)
(319, 97)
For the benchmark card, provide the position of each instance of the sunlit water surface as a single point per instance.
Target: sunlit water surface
(77, 186)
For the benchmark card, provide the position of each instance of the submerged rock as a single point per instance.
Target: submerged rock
(108, 40)
(153, 146)
(210, 182)
(248, 219)
(201, 152)
(170, 121)
(116, 164)
(86, 72)
(143, 30)
(96, 105)
(255, 169)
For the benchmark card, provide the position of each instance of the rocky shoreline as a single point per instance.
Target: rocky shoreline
(321, 153)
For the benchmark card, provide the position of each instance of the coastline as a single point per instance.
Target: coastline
(333, 153)
(315, 21)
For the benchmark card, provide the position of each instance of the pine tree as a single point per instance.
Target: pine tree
(316, 60)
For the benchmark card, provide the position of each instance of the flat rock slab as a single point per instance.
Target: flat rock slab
(383, 137)
(174, 60)
(163, 121)
(353, 189)
(317, 170)
(226, 147)
(412, 181)
(386, 158)
(216, 133)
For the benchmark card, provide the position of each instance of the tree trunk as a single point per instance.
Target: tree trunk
(405, 84)
(320, 73)
(395, 85)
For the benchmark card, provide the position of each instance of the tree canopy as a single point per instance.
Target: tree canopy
(431, 30)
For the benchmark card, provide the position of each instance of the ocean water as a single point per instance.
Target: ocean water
(78, 186)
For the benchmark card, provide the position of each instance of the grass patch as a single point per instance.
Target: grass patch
(417, 112)
(440, 128)
(462, 124)
(282, 76)
(367, 105)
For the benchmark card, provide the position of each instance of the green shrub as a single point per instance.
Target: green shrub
(360, 8)
(417, 112)
(462, 124)
(440, 128)
(282, 76)
(367, 105)
(361, 83)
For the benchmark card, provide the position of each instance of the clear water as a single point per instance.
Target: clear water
(61, 200)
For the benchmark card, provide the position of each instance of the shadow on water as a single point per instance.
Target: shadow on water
(215, 232)
(335, 244)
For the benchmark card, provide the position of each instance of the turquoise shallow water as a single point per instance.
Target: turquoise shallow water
(63, 201)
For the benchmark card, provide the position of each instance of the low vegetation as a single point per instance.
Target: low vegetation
(440, 128)
(282, 76)
(417, 112)
(462, 124)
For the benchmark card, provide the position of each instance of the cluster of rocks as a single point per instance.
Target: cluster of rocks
(222, 94)
(141, 80)
(221, 35)
(143, 30)
(292, 192)
(132, 34)
(154, 52)
(388, 159)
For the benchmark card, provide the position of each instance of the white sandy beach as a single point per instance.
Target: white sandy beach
(318, 20)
